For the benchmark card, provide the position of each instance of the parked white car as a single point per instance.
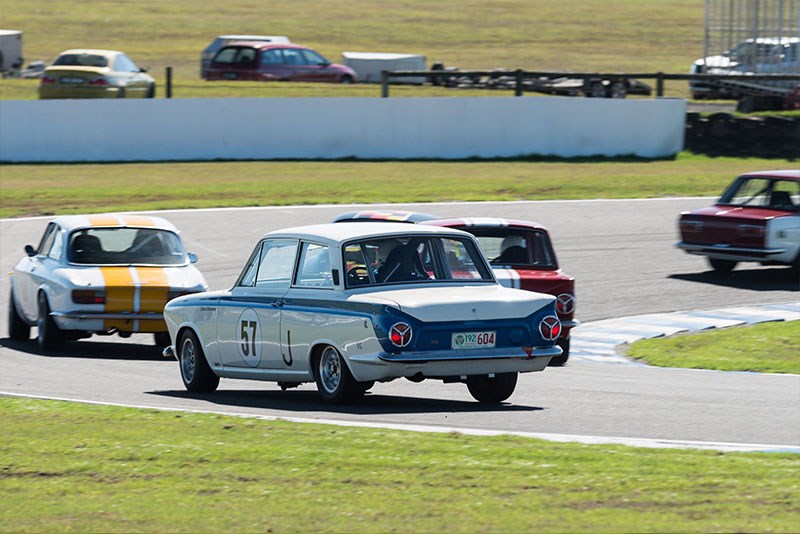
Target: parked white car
(100, 274)
(345, 305)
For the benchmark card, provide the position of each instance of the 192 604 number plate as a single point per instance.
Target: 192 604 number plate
(472, 340)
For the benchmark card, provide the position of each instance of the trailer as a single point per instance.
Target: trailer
(749, 37)
(10, 50)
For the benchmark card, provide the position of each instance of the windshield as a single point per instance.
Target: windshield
(125, 246)
(414, 259)
(769, 193)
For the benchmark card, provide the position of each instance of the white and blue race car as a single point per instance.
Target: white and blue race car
(346, 305)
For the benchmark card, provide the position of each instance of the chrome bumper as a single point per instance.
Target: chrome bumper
(506, 353)
(723, 249)
(168, 353)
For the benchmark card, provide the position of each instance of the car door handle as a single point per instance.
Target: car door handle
(278, 303)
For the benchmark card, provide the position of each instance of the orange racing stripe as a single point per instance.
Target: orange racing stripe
(104, 220)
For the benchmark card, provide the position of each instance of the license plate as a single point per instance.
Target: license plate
(472, 340)
(73, 81)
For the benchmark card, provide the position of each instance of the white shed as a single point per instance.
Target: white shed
(368, 65)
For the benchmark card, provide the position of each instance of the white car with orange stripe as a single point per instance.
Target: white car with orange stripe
(100, 274)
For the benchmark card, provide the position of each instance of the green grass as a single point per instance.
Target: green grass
(39, 189)
(583, 35)
(764, 348)
(73, 467)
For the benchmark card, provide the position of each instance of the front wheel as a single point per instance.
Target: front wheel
(722, 266)
(346, 79)
(18, 329)
(49, 337)
(492, 390)
(196, 374)
(335, 382)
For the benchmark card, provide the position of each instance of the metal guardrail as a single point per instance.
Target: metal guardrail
(521, 76)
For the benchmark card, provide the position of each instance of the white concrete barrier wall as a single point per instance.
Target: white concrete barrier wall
(333, 128)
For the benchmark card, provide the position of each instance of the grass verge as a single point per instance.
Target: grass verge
(764, 348)
(73, 467)
(46, 189)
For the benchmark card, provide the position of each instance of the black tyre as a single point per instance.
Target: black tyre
(121, 93)
(722, 266)
(334, 381)
(492, 390)
(49, 337)
(346, 79)
(151, 92)
(196, 373)
(559, 361)
(18, 329)
(161, 339)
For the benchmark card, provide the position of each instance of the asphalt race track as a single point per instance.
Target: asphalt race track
(621, 253)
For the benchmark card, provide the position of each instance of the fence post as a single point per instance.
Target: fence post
(169, 82)
(659, 84)
(518, 82)
(384, 84)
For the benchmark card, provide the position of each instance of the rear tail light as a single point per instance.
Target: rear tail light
(100, 81)
(88, 296)
(400, 334)
(691, 226)
(749, 230)
(47, 80)
(550, 328)
(565, 303)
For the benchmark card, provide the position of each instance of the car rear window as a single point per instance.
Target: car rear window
(125, 246)
(81, 60)
(518, 247)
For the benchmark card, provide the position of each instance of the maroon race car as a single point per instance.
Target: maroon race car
(757, 219)
(520, 253)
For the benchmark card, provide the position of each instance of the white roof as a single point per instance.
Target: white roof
(105, 220)
(379, 55)
(271, 38)
(344, 231)
(10, 32)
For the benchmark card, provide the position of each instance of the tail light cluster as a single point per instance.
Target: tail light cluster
(400, 334)
(88, 296)
(100, 81)
(750, 230)
(691, 227)
(565, 304)
(44, 80)
(550, 328)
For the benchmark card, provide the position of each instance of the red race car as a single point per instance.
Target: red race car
(757, 219)
(520, 253)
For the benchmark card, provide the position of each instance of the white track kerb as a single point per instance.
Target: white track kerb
(598, 340)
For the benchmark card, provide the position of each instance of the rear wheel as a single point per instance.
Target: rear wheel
(492, 390)
(335, 383)
(196, 374)
(18, 329)
(722, 266)
(558, 361)
(346, 79)
(49, 336)
(151, 92)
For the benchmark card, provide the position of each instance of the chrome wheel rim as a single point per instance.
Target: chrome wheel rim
(188, 360)
(330, 370)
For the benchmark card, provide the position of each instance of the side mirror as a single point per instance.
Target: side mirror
(192, 257)
(30, 251)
